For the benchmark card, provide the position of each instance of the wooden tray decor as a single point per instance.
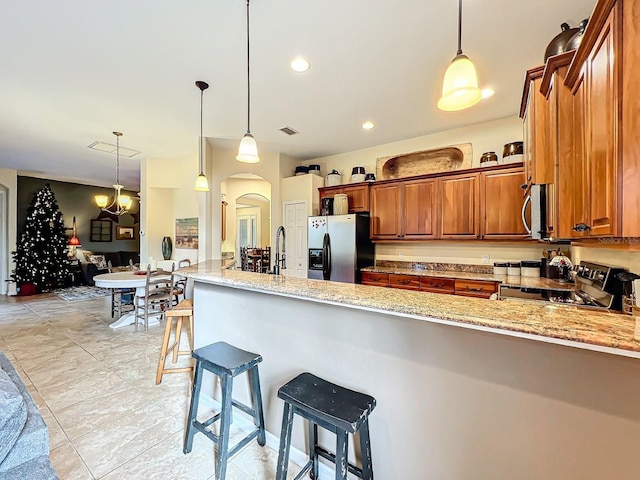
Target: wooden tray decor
(436, 160)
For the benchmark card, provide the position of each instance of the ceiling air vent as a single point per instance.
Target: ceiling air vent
(110, 148)
(288, 130)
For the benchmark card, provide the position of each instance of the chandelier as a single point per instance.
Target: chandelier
(121, 203)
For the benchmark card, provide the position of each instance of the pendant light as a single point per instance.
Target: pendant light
(121, 203)
(460, 88)
(202, 185)
(248, 150)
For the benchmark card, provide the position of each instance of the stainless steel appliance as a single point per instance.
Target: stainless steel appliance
(597, 286)
(537, 198)
(339, 246)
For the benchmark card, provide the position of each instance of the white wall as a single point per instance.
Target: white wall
(221, 164)
(9, 179)
(167, 193)
(487, 136)
(608, 256)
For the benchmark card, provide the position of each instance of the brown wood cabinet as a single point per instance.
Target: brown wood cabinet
(357, 195)
(406, 282)
(458, 202)
(437, 285)
(601, 140)
(404, 210)
(376, 279)
(501, 202)
(530, 108)
(475, 288)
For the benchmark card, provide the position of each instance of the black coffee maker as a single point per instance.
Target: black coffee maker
(327, 206)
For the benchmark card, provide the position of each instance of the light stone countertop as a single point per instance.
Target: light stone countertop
(507, 280)
(561, 324)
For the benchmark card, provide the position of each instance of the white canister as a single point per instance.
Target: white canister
(333, 179)
(500, 268)
(513, 269)
(530, 268)
(340, 204)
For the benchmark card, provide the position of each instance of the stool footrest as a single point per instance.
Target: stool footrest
(211, 421)
(244, 408)
(233, 450)
(323, 452)
(304, 470)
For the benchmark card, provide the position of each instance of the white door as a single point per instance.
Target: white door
(295, 224)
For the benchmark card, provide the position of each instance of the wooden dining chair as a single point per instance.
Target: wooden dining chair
(156, 297)
(265, 260)
(121, 298)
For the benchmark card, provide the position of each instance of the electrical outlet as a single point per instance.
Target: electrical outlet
(400, 255)
(486, 259)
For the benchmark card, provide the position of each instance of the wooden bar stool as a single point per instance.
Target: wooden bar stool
(339, 410)
(183, 310)
(227, 362)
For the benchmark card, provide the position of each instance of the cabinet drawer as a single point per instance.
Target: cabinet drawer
(475, 288)
(408, 282)
(376, 279)
(437, 285)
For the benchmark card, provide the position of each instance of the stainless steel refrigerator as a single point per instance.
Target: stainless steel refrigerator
(339, 246)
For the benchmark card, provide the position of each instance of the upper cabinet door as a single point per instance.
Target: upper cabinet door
(602, 137)
(385, 212)
(458, 202)
(501, 200)
(419, 209)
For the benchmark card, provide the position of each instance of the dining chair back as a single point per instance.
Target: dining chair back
(156, 297)
(121, 298)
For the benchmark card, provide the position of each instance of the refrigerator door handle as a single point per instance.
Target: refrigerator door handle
(326, 257)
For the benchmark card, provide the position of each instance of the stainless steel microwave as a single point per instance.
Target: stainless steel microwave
(537, 199)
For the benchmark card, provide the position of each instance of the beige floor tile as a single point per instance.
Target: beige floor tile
(166, 460)
(52, 359)
(68, 464)
(125, 438)
(57, 436)
(78, 389)
(89, 415)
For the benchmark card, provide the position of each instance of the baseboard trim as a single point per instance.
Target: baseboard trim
(296, 456)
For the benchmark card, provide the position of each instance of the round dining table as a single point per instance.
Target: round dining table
(126, 279)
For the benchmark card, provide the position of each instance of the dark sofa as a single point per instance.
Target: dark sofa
(117, 259)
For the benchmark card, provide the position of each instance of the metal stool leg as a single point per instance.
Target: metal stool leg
(193, 409)
(285, 442)
(365, 448)
(254, 378)
(313, 453)
(342, 455)
(225, 427)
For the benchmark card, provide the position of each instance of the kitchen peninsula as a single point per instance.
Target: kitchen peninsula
(503, 397)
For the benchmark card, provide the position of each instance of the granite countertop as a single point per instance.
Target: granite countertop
(567, 325)
(507, 280)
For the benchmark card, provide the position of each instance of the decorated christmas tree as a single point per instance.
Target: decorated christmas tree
(41, 256)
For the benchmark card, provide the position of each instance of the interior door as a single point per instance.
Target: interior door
(295, 224)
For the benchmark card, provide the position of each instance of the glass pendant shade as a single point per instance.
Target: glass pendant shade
(124, 201)
(101, 200)
(202, 185)
(248, 150)
(460, 88)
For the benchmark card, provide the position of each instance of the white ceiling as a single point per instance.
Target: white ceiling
(72, 71)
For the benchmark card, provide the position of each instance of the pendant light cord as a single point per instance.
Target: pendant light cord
(117, 159)
(201, 95)
(459, 27)
(248, 77)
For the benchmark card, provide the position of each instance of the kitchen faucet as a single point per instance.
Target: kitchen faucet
(276, 264)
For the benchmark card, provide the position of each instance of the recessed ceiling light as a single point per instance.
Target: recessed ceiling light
(488, 92)
(367, 125)
(300, 64)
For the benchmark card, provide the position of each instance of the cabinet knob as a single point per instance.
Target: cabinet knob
(581, 227)
(524, 186)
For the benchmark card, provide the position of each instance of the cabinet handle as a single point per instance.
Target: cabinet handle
(404, 281)
(524, 186)
(439, 285)
(581, 227)
(471, 289)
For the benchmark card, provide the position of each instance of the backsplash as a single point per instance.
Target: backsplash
(441, 267)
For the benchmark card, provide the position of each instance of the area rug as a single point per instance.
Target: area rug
(75, 294)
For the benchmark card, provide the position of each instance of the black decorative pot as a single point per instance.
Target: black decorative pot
(167, 248)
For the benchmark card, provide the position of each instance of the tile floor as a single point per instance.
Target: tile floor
(95, 388)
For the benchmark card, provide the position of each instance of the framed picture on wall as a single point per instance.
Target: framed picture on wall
(187, 233)
(125, 233)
